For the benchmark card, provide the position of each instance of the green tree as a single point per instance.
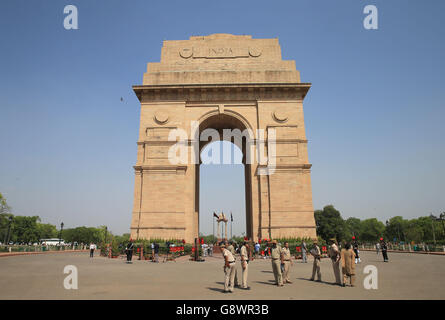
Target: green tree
(353, 228)
(46, 231)
(24, 229)
(427, 225)
(4, 218)
(82, 235)
(330, 224)
(4, 208)
(372, 230)
(395, 229)
(104, 234)
(414, 231)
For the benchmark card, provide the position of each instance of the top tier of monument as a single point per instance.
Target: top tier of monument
(221, 59)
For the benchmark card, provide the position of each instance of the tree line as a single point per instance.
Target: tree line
(428, 229)
(30, 229)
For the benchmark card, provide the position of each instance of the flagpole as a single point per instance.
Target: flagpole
(231, 225)
(213, 222)
(222, 230)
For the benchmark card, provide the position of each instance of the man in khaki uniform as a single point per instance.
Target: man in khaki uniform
(229, 269)
(348, 264)
(286, 261)
(276, 255)
(231, 248)
(244, 264)
(316, 253)
(335, 256)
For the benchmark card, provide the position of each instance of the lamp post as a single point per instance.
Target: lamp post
(9, 230)
(60, 234)
(432, 226)
(442, 217)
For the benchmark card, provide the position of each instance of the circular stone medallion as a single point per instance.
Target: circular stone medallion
(186, 52)
(254, 52)
(279, 115)
(161, 117)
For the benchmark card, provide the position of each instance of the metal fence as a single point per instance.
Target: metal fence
(39, 248)
(408, 247)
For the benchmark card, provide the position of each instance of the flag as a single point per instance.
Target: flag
(231, 217)
(215, 215)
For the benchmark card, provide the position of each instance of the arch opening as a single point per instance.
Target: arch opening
(232, 169)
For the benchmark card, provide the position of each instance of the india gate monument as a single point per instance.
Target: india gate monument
(222, 81)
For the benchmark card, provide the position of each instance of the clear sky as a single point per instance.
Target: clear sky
(374, 115)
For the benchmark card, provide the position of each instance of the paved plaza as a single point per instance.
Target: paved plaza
(406, 276)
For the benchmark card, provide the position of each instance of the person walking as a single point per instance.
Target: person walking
(348, 264)
(244, 264)
(287, 262)
(276, 255)
(92, 248)
(384, 248)
(204, 249)
(267, 251)
(156, 250)
(335, 256)
(229, 269)
(303, 252)
(257, 249)
(355, 247)
(129, 251)
(316, 253)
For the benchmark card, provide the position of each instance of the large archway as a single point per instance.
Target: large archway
(226, 127)
(222, 82)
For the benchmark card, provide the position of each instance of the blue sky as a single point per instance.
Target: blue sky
(374, 115)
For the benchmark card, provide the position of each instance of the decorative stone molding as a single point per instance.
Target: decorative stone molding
(228, 92)
(161, 117)
(219, 52)
(279, 116)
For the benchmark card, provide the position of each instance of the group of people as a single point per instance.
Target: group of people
(343, 262)
(207, 249)
(281, 262)
(129, 249)
(347, 258)
(154, 251)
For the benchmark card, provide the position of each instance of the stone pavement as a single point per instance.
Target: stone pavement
(406, 276)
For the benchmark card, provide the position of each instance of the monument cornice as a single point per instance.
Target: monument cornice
(287, 227)
(222, 92)
(304, 168)
(291, 166)
(160, 168)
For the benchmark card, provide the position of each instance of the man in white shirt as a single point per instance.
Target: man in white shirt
(92, 248)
